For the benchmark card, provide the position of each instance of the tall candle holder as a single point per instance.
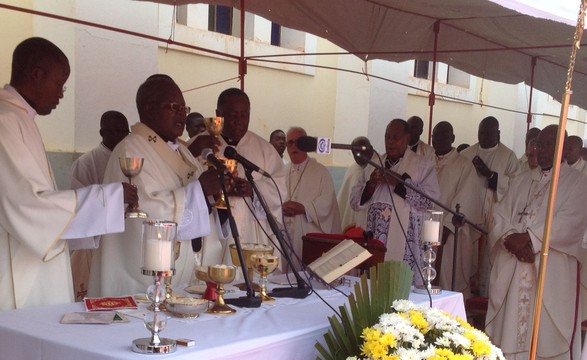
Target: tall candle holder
(158, 261)
(430, 237)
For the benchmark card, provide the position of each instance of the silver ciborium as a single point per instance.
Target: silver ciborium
(131, 167)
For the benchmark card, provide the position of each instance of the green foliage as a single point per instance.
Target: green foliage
(389, 281)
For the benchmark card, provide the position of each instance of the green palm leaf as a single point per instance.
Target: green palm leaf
(389, 281)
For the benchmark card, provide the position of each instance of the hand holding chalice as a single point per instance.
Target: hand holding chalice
(131, 167)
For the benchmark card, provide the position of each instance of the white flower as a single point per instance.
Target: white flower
(409, 323)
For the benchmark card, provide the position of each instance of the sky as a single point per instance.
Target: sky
(565, 11)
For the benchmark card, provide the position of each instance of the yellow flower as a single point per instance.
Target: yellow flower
(418, 321)
(371, 334)
(388, 340)
(480, 347)
(379, 351)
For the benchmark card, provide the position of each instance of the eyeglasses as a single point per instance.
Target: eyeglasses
(178, 108)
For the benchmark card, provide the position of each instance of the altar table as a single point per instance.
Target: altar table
(284, 329)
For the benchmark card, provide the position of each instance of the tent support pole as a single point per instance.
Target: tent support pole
(529, 117)
(558, 152)
(432, 96)
(242, 61)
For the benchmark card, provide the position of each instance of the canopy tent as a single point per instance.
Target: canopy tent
(486, 38)
(477, 36)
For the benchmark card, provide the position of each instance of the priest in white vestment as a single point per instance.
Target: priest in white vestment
(394, 210)
(168, 185)
(416, 145)
(456, 178)
(531, 134)
(310, 206)
(89, 169)
(348, 216)
(515, 245)
(251, 220)
(496, 166)
(35, 217)
(572, 153)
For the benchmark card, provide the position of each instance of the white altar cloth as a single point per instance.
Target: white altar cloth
(284, 329)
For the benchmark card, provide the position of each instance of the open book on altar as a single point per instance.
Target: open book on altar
(339, 260)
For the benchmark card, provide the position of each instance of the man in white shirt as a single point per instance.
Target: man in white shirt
(310, 206)
(35, 217)
(89, 169)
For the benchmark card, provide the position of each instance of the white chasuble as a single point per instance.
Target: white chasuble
(249, 215)
(456, 178)
(312, 187)
(164, 185)
(34, 216)
(512, 285)
(401, 217)
(348, 216)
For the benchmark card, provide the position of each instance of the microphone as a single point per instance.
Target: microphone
(230, 152)
(323, 145)
(208, 154)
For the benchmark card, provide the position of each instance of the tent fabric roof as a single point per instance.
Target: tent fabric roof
(480, 37)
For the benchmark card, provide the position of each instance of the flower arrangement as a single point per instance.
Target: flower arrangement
(418, 332)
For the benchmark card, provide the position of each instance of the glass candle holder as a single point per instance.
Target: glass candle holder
(158, 261)
(430, 236)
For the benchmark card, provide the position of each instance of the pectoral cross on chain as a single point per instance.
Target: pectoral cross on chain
(524, 213)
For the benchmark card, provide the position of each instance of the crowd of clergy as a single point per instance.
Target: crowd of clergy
(58, 246)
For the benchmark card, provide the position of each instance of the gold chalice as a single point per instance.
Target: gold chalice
(131, 167)
(214, 126)
(248, 250)
(264, 264)
(221, 274)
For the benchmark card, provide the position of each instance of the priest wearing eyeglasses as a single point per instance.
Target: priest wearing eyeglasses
(172, 185)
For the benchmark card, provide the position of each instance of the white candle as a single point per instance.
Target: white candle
(157, 255)
(430, 231)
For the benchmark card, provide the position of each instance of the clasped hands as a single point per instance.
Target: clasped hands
(520, 245)
(235, 186)
(378, 177)
(293, 208)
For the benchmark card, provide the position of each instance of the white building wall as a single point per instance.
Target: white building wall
(108, 67)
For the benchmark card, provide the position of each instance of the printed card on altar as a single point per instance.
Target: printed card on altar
(110, 303)
(88, 318)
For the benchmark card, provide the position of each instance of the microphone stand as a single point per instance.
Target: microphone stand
(458, 219)
(249, 301)
(302, 290)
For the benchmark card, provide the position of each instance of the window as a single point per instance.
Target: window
(275, 34)
(445, 74)
(220, 19)
(421, 69)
